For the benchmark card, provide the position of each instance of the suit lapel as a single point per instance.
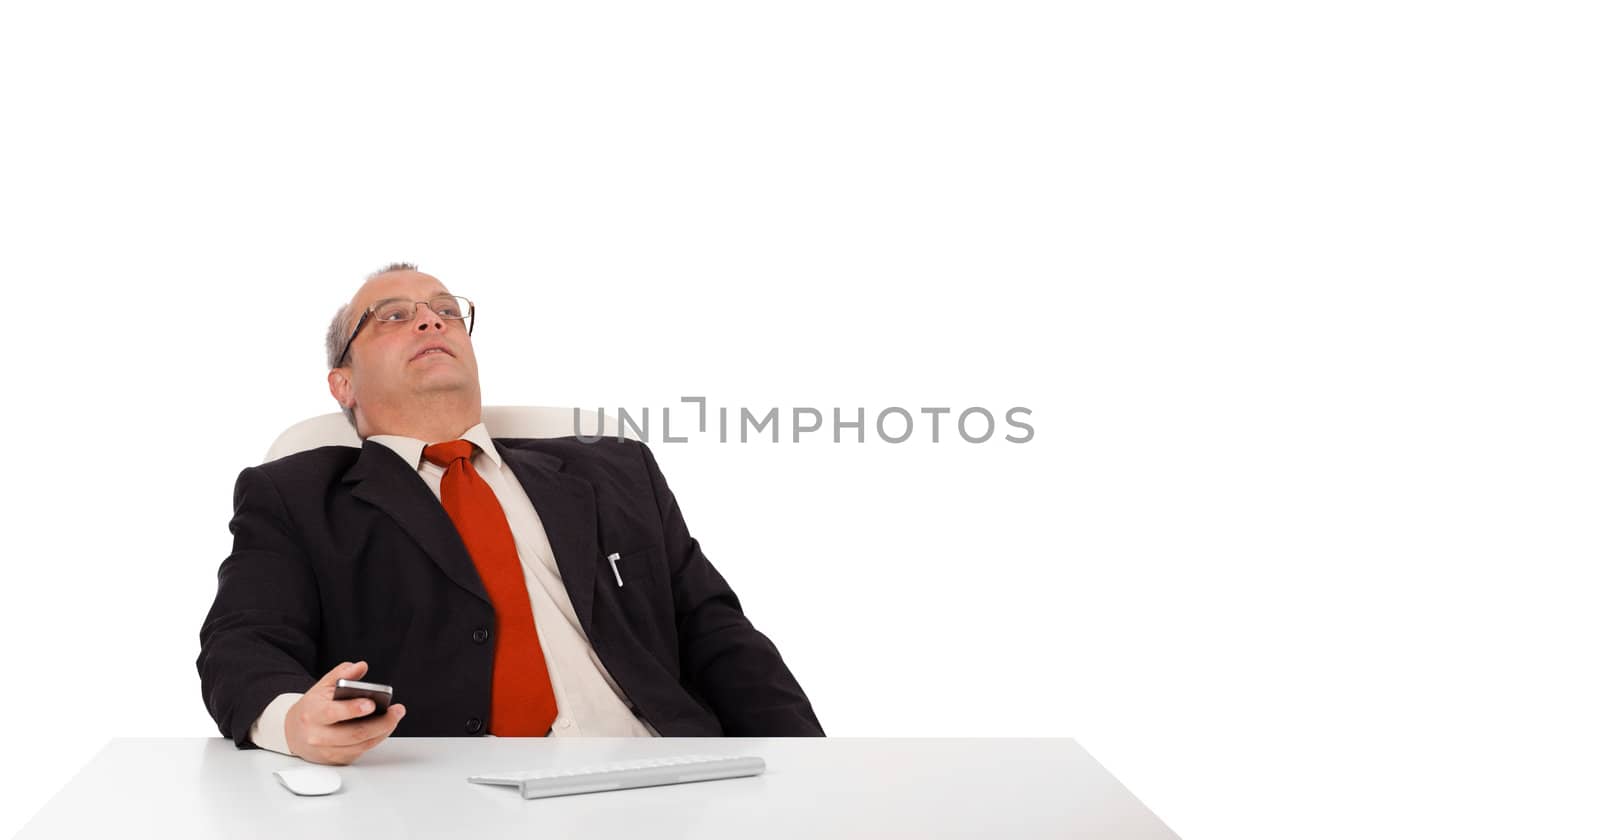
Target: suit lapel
(382, 479)
(566, 507)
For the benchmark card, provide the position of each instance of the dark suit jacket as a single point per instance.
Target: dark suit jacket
(342, 555)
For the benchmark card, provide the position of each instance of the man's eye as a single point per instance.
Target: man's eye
(391, 315)
(449, 312)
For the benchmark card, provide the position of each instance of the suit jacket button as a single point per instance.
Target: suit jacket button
(474, 726)
(480, 635)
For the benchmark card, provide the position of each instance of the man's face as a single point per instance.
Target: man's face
(396, 361)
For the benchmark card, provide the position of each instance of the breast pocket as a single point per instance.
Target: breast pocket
(636, 567)
(634, 584)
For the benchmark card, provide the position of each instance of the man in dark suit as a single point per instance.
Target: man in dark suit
(508, 587)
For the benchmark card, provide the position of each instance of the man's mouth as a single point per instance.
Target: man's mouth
(429, 351)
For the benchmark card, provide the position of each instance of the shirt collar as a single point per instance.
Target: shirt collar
(410, 449)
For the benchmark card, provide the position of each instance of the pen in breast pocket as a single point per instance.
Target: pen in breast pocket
(614, 558)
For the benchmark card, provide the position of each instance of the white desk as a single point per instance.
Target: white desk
(416, 787)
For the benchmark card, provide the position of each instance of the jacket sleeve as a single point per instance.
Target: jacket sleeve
(724, 658)
(259, 640)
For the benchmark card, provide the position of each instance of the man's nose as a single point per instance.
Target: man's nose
(428, 319)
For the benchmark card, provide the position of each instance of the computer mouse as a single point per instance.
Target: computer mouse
(309, 780)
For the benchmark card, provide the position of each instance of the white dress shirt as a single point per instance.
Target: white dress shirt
(588, 701)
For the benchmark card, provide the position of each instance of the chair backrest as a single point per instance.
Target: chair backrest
(511, 421)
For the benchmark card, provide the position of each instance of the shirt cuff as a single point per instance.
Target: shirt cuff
(267, 732)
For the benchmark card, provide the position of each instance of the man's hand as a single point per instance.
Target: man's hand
(321, 729)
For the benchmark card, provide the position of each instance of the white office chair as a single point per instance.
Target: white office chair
(513, 421)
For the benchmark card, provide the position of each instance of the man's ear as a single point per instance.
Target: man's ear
(339, 386)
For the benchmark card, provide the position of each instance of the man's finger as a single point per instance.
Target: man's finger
(333, 676)
(338, 711)
(355, 743)
(378, 727)
(369, 743)
(342, 671)
(347, 735)
(362, 746)
(348, 754)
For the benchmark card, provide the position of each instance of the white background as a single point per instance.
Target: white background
(1302, 299)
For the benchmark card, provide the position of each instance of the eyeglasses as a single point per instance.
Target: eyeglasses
(395, 310)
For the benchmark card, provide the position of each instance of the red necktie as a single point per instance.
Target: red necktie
(522, 702)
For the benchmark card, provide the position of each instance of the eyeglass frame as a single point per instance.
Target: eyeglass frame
(471, 317)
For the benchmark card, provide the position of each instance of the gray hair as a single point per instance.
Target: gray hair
(339, 327)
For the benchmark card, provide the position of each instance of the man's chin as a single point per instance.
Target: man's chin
(439, 381)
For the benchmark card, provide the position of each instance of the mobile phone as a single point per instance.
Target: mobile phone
(379, 694)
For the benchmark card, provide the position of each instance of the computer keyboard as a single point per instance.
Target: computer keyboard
(536, 784)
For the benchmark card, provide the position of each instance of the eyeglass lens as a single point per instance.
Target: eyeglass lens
(445, 306)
